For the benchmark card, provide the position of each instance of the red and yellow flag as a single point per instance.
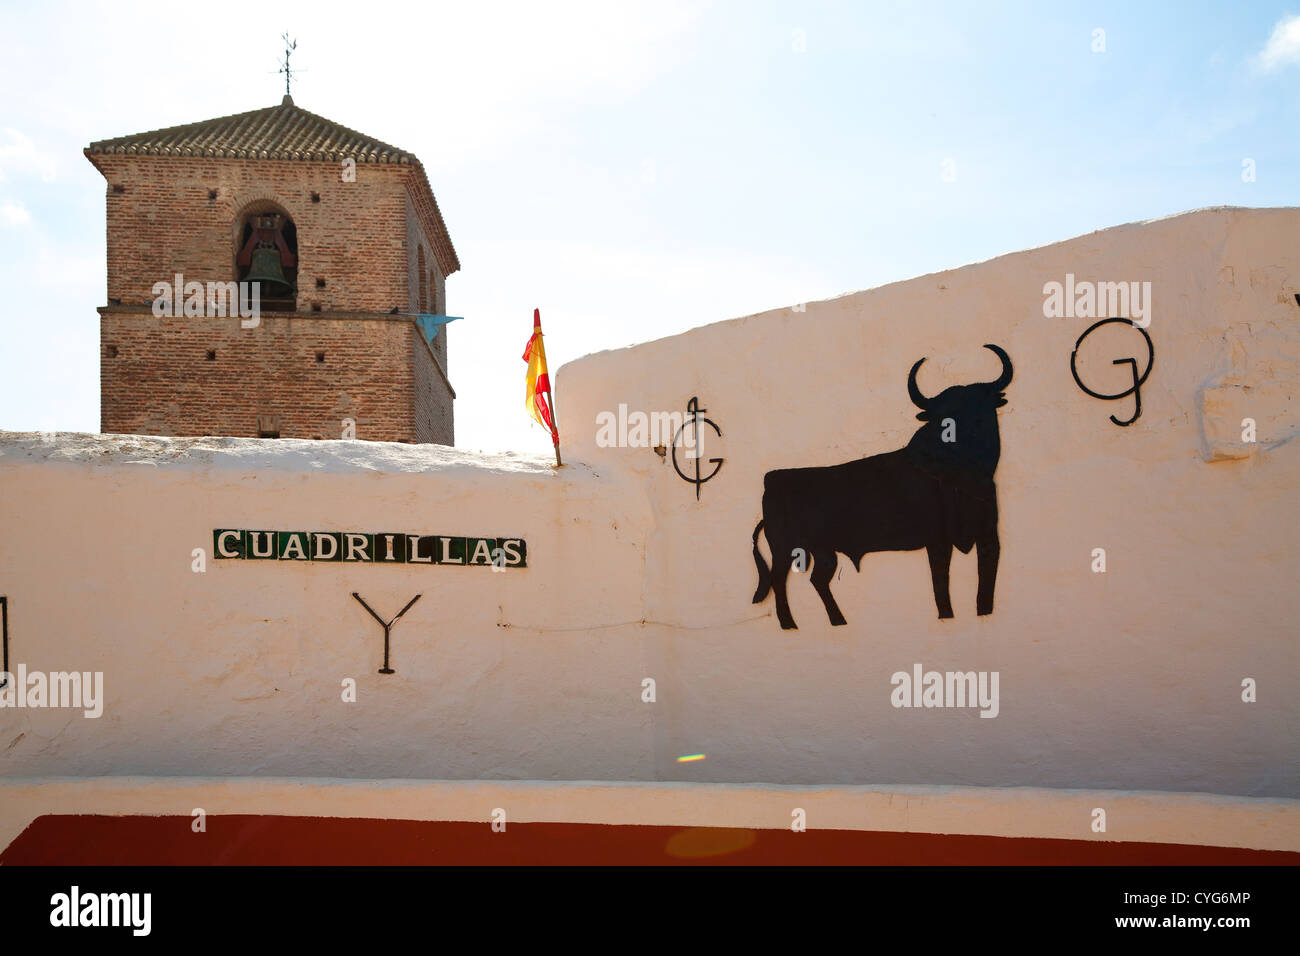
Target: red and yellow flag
(537, 398)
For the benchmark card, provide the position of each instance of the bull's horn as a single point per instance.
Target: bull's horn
(1005, 378)
(919, 400)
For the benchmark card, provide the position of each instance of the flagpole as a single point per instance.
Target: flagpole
(555, 421)
(541, 400)
(555, 417)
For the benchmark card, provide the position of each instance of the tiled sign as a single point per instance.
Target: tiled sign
(370, 548)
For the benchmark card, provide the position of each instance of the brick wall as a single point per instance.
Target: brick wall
(433, 395)
(357, 244)
(440, 296)
(156, 378)
(421, 254)
(163, 222)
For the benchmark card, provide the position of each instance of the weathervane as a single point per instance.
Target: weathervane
(289, 47)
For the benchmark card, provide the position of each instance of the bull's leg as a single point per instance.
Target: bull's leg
(940, 560)
(824, 563)
(780, 570)
(989, 549)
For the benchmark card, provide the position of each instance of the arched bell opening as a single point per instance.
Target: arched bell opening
(267, 254)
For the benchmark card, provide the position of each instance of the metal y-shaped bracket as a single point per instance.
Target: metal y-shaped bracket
(386, 625)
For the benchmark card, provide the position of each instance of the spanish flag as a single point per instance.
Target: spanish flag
(537, 398)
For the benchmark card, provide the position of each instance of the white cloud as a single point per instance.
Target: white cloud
(1283, 47)
(18, 154)
(13, 214)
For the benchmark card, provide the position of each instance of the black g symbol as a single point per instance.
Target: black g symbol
(1134, 390)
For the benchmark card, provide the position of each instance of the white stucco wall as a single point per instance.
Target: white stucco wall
(1126, 680)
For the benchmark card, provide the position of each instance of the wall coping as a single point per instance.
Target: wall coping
(288, 455)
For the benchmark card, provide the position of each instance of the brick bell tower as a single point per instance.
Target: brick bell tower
(343, 235)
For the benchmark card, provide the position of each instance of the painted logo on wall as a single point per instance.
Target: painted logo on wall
(935, 493)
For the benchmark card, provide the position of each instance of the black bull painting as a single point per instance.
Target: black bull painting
(935, 493)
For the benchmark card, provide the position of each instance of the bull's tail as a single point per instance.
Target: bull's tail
(764, 572)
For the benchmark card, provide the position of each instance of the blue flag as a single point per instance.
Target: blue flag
(429, 324)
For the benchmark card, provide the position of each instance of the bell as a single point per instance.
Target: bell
(266, 269)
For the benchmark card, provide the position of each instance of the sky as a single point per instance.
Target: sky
(638, 169)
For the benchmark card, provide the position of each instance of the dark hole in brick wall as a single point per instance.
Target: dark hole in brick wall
(320, 357)
(212, 355)
(315, 306)
(1297, 298)
(112, 351)
(114, 301)
(320, 283)
(118, 188)
(212, 194)
(269, 434)
(315, 197)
